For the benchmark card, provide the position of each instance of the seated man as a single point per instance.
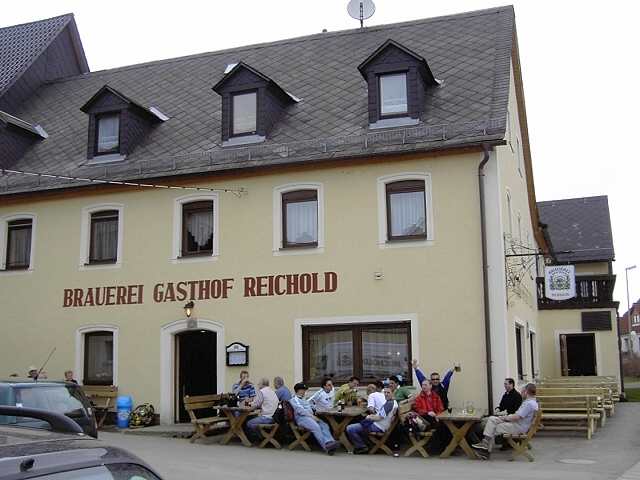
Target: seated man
(305, 418)
(375, 398)
(379, 422)
(267, 401)
(348, 393)
(511, 400)
(399, 392)
(244, 389)
(283, 393)
(514, 424)
(428, 404)
(323, 398)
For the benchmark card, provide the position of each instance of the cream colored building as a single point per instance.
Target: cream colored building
(342, 211)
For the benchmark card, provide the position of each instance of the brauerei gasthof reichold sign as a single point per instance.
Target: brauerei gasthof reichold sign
(258, 286)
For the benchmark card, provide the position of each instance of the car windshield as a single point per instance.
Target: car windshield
(60, 399)
(117, 471)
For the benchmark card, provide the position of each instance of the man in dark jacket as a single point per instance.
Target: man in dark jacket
(511, 400)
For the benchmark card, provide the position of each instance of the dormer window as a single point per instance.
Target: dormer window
(245, 113)
(393, 95)
(251, 104)
(107, 133)
(117, 124)
(397, 83)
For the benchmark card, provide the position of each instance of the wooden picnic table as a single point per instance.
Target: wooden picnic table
(237, 416)
(339, 422)
(459, 433)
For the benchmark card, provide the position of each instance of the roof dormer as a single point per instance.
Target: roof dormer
(251, 104)
(117, 124)
(16, 137)
(397, 80)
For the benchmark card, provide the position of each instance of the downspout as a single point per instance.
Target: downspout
(485, 277)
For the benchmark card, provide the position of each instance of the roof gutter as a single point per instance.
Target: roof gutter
(485, 275)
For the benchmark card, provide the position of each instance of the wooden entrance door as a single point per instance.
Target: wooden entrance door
(578, 354)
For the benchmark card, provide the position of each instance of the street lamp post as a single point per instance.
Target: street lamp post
(626, 276)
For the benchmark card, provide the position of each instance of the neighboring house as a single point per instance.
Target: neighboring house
(582, 332)
(334, 204)
(630, 329)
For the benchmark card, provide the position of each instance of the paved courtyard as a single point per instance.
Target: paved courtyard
(613, 451)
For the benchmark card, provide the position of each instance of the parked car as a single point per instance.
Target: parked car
(59, 397)
(63, 452)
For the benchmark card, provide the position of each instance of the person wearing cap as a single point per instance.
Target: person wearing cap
(305, 418)
(378, 422)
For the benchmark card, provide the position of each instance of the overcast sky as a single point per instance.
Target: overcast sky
(579, 62)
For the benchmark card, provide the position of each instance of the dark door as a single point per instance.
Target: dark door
(581, 354)
(195, 367)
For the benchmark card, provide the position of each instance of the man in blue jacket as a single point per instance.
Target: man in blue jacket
(441, 387)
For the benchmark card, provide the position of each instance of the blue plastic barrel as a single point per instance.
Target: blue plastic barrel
(124, 404)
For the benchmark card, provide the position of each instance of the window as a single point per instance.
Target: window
(532, 347)
(18, 256)
(406, 210)
(300, 218)
(107, 133)
(244, 112)
(103, 246)
(197, 228)
(369, 351)
(98, 358)
(519, 356)
(509, 216)
(635, 320)
(393, 95)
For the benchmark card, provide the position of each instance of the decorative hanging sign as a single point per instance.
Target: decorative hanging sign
(560, 282)
(237, 354)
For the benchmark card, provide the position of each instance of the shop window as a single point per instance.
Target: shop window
(103, 246)
(98, 358)
(519, 351)
(369, 351)
(18, 245)
(406, 210)
(300, 219)
(197, 228)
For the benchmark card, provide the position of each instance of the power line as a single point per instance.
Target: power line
(235, 191)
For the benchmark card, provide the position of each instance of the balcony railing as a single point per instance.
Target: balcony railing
(592, 291)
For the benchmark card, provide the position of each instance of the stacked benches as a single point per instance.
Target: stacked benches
(577, 403)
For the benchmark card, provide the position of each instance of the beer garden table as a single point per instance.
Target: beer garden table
(237, 416)
(459, 433)
(339, 420)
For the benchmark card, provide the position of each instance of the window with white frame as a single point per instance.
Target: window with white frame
(405, 209)
(298, 218)
(16, 249)
(635, 320)
(107, 133)
(244, 113)
(96, 358)
(393, 94)
(196, 221)
(101, 236)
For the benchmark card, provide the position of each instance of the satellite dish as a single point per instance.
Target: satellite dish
(361, 9)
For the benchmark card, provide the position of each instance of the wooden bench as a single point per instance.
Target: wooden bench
(301, 436)
(521, 443)
(601, 382)
(102, 398)
(268, 433)
(203, 425)
(611, 394)
(604, 404)
(568, 413)
(379, 439)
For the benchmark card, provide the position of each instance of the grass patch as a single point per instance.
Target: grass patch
(632, 394)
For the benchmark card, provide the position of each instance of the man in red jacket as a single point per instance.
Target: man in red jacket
(428, 404)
